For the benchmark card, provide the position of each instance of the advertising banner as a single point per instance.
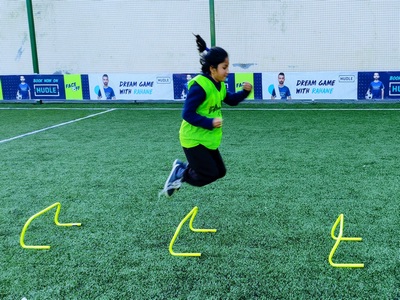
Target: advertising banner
(180, 82)
(309, 85)
(17, 87)
(266, 86)
(25, 87)
(73, 87)
(131, 87)
(379, 85)
(48, 87)
(233, 83)
(244, 77)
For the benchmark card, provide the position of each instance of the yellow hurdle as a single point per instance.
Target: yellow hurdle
(21, 240)
(191, 214)
(338, 239)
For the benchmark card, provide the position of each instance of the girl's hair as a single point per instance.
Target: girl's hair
(209, 57)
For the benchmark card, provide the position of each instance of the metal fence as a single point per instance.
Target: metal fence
(153, 36)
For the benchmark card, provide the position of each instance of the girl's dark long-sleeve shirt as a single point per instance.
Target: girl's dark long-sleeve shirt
(196, 96)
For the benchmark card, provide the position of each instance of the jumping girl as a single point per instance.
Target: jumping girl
(201, 129)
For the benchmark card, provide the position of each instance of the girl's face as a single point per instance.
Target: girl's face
(220, 73)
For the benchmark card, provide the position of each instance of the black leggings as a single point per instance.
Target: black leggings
(205, 166)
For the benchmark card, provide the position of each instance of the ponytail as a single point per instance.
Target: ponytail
(209, 57)
(201, 44)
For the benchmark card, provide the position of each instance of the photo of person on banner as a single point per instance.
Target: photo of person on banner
(376, 89)
(106, 90)
(24, 90)
(282, 90)
(185, 87)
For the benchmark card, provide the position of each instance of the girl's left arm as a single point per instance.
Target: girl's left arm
(234, 99)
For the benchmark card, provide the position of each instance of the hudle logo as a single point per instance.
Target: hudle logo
(163, 80)
(347, 78)
(394, 88)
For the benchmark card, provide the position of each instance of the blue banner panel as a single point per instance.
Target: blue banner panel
(26, 87)
(49, 87)
(258, 95)
(17, 87)
(230, 83)
(180, 82)
(85, 87)
(371, 84)
(394, 85)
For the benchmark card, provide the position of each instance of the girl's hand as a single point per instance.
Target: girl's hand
(247, 86)
(217, 122)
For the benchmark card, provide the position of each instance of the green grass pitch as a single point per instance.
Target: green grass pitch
(292, 170)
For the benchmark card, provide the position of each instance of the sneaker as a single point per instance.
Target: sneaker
(174, 180)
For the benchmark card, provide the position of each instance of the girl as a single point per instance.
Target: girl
(201, 129)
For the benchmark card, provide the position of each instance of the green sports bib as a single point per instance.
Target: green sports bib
(192, 136)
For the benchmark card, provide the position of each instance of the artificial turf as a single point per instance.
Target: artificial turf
(292, 170)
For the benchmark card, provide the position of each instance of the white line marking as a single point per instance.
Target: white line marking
(54, 108)
(54, 126)
(224, 108)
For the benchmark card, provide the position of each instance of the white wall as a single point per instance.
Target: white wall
(311, 35)
(15, 49)
(119, 36)
(146, 36)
